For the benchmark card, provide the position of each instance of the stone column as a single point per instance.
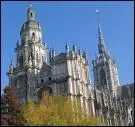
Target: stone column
(70, 88)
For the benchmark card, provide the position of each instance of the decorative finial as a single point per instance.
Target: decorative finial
(74, 48)
(67, 47)
(45, 44)
(84, 54)
(79, 51)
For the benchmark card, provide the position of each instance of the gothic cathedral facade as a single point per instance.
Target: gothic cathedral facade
(38, 68)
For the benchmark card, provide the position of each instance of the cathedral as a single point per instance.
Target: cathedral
(66, 74)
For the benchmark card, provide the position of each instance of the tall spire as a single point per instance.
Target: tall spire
(11, 67)
(67, 47)
(101, 44)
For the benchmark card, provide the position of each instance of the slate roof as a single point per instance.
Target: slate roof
(126, 91)
(60, 57)
(45, 69)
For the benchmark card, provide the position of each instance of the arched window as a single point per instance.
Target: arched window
(21, 60)
(44, 92)
(33, 36)
(42, 80)
(50, 78)
(31, 14)
(103, 79)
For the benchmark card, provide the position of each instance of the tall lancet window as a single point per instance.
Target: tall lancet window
(37, 56)
(21, 60)
(103, 79)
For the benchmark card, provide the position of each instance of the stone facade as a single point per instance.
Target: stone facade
(67, 74)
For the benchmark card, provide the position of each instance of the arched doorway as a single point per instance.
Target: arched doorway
(45, 91)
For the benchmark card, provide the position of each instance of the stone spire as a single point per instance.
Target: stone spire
(101, 44)
(79, 51)
(45, 44)
(67, 48)
(74, 47)
(84, 54)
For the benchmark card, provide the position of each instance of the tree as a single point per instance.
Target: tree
(58, 110)
(10, 108)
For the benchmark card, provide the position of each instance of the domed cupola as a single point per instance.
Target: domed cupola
(30, 13)
(31, 28)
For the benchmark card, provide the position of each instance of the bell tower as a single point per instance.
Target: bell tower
(31, 53)
(31, 42)
(104, 67)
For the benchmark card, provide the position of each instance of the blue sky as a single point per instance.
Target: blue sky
(73, 21)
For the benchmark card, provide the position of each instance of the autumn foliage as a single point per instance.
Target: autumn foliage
(51, 110)
(56, 111)
(10, 108)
